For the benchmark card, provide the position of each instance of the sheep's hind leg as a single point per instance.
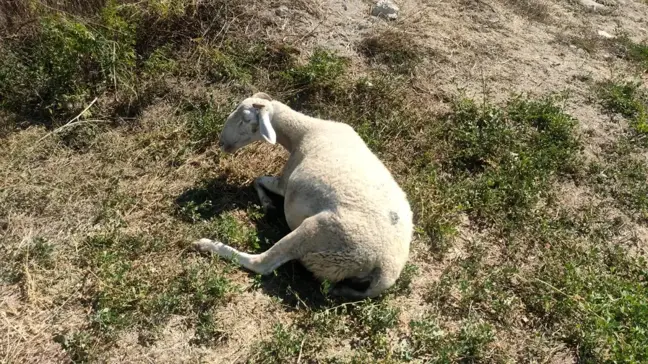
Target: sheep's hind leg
(285, 250)
(271, 184)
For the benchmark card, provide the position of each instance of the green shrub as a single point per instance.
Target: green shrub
(55, 70)
(503, 159)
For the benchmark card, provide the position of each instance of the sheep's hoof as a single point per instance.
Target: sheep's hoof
(267, 204)
(204, 245)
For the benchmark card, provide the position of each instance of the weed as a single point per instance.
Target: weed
(629, 100)
(471, 285)
(37, 252)
(374, 319)
(129, 294)
(78, 346)
(56, 70)
(493, 163)
(598, 297)
(204, 289)
(505, 158)
(427, 336)
(403, 285)
(623, 176)
(208, 331)
(315, 79)
(205, 123)
(374, 106)
(160, 62)
(632, 51)
(230, 229)
(225, 63)
(377, 317)
(597, 316)
(431, 341)
(80, 137)
(378, 112)
(285, 344)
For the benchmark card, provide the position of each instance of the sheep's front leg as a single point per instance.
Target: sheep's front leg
(268, 183)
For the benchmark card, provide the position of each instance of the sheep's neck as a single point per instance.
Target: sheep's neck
(289, 125)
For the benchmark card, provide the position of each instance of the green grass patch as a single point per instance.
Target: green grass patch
(55, 70)
(365, 324)
(493, 163)
(623, 175)
(285, 344)
(434, 343)
(36, 253)
(629, 100)
(126, 54)
(596, 295)
(576, 286)
(633, 51)
(470, 284)
(234, 232)
(130, 292)
(78, 345)
(205, 122)
(311, 82)
(503, 160)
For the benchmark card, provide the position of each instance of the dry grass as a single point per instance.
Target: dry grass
(531, 216)
(536, 10)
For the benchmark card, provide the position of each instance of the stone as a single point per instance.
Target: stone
(605, 34)
(385, 9)
(592, 4)
(282, 11)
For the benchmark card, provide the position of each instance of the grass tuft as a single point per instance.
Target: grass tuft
(531, 9)
(394, 49)
(128, 294)
(622, 175)
(53, 72)
(431, 341)
(630, 100)
(507, 157)
(36, 253)
(285, 344)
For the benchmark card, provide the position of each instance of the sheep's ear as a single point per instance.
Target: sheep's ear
(262, 95)
(267, 131)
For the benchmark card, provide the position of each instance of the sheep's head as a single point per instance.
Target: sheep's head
(249, 122)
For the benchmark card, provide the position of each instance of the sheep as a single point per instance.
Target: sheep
(349, 219)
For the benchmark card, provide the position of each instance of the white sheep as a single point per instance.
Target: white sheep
(349, 219)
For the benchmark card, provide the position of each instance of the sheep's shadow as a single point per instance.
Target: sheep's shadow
(292, 283)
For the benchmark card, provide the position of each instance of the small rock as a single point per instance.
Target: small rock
(592, 4)
(386, 9)
(605, 34)
(282, 11)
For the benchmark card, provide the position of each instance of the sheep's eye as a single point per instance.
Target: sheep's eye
(248, 115)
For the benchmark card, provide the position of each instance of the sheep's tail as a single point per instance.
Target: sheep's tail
(380, 283)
